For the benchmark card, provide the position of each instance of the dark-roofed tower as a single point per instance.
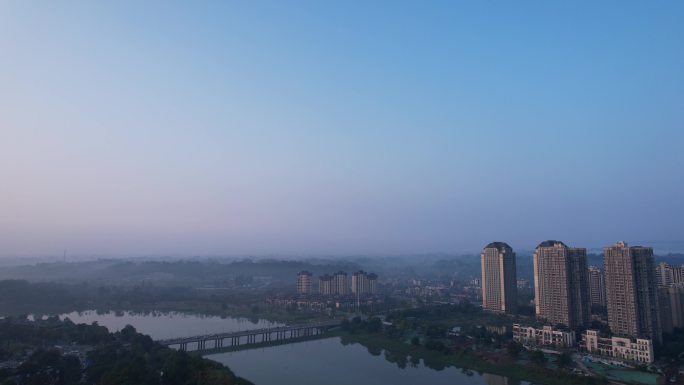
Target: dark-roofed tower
(499, 290)
(560, 284)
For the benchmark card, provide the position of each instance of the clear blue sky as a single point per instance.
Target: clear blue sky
(333, 128)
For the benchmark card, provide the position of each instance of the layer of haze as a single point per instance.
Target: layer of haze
(134, 128)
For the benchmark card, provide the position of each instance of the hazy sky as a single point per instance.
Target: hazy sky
(338, 127)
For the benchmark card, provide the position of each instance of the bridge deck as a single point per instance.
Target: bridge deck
(242, 333)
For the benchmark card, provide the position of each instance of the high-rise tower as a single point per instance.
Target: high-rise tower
(340, 283)
(560, 284)
(499, 290)
(304, 282)
(632, 291)
(597, 286)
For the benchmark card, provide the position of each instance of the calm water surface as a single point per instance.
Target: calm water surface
(330, 362)
(326, 361)
(167, 324)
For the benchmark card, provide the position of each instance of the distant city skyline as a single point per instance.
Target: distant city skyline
(338, 129)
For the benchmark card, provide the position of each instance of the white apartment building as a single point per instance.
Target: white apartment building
(637, 350)
(543, 337)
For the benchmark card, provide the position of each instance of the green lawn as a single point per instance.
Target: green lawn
(622, 374)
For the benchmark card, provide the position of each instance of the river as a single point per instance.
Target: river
(160, 325)
(325, 361)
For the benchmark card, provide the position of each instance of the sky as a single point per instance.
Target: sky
(315, 128)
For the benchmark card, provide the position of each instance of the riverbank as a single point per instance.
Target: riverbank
(466, 361)
(178, 307)
(20, 298)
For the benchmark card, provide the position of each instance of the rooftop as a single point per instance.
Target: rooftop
(551, 243)
(498, 245)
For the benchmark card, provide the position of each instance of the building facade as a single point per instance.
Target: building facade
(499, 289)
(666, 313)
(561, 285)
(597, 286)
(676, 296)
(325, 285)
(363, 283)
(671, 302)
(664, 274)
(639, 350)
(667, 275)
(304, 283)
(545, 337)
(632, 291)
(340, 283)
(372, 283)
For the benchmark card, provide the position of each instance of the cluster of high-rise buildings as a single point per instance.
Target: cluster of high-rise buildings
(641, 300)
(362, 283)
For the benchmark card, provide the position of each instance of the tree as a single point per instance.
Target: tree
(415, 341)
(435, 345)
(513, 349)
(564, 360)
(537, 357)
(374, 325)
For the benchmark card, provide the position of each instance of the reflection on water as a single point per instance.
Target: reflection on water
(160, 325)
(332, 362)
(493, 379)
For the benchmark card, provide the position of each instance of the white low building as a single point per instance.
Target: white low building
(545, 337)
(620, 348)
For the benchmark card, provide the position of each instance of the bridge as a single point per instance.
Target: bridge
(250, 337)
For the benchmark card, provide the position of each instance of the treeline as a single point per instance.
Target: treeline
(413, 336)
(22, 297)
(54, 352)
(187, 273)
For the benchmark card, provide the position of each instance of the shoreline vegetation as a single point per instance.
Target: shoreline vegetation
(19, 298)
(58, 352)
(401, 353)
(430, 322)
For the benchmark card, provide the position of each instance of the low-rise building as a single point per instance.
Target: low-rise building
(546, 336)
(637, 350)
